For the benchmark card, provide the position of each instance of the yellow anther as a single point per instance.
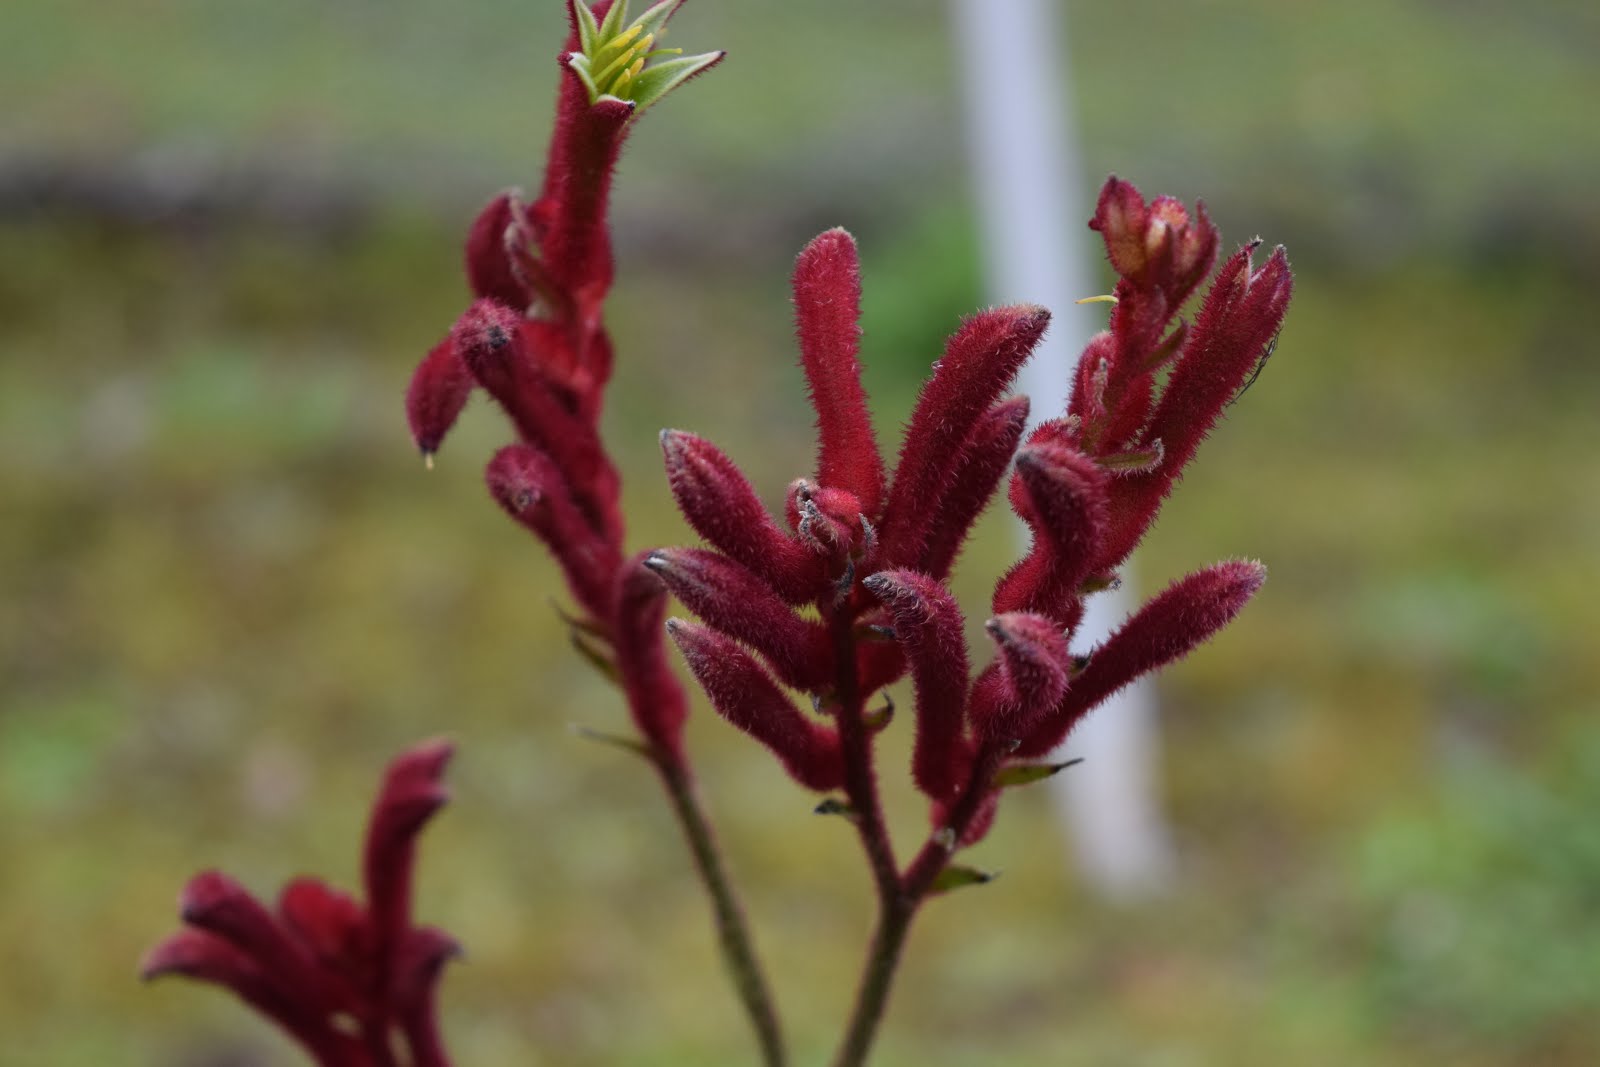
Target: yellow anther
(1105, 299)
(635, 68)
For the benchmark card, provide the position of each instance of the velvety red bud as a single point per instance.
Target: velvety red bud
(1029, 676)
(489, 268)
(491, 341)
(206, 957)
(1242, 313)
(527, 485)
(213, 902)
(1064, 493)
(979, 362)
(740, 604)
(983, 463)
(1121, 218)
(719, 503)
(329, 923)
(1166, 628)
(928, 627)
(438, 391)
(412, 793)
(827, 300)
(746, 696)
(831, 522)
(655, 699)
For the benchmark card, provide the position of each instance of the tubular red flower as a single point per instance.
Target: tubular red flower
(719, 503)
(977, 476)
(979, 362)
(744, 694)
(827, 300)
(735, 601)
(1166, 628)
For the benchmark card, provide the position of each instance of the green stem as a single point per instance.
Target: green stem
(733, 933)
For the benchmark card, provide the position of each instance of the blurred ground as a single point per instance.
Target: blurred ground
(230, 592)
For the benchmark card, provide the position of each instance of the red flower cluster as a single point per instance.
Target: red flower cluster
(853, 592)
(344, 979)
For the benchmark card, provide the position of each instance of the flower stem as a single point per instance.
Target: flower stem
(733, 933)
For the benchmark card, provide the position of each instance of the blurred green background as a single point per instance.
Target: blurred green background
(230, 591)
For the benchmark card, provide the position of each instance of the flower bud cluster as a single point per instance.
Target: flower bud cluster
(850, 592)
(344, 978)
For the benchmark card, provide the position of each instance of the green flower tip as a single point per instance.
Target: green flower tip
(619, 60)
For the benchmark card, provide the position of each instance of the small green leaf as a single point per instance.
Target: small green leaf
(1137, 461)
(627, 744)
(835, 806)
(956, 876)
(878, 718)
(596, 655)
(657, 81)
(1028, 773)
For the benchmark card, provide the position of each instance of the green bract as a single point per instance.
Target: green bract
(620, 62)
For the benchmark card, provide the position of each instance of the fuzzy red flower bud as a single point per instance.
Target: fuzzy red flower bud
(413, 792)
(438, 391)
(738, 603)
(928, 626)
(983, 463)
(827, 300)
(529, 487)
(1154, 246)
(1166, 628)
(979, 362)
(1062, 497)
(720, 504)
(490, 271)
(1027, 679)
(744, 694)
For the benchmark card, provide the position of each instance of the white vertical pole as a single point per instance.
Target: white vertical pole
(1032, 213)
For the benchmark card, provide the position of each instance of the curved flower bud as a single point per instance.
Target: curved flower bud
(928, 626)
(1061, 494)
(737, 602)
(527, 485)
(720, 504)
(827, 301)
(1027, 679)
(744, 694)
(980, 360)
(413, 792)
(1167, 628)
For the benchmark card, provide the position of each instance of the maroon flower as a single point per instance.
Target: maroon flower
(348, 980)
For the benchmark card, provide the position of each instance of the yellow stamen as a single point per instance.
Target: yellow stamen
(1106, 299)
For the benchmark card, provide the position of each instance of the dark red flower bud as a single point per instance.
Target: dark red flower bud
(928, 627)
(737, 602)
(490, 272)
(827, 300)
(438, 391)
(329, 923)
(979, 362)
(983, 463)
(1167, 628)
(413, 791)
(719, 503)
(1155, 246)
(831, 522)
(525, 483)
(744, 694)
(1062, 495)
(655, 699)
(1027, 680)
